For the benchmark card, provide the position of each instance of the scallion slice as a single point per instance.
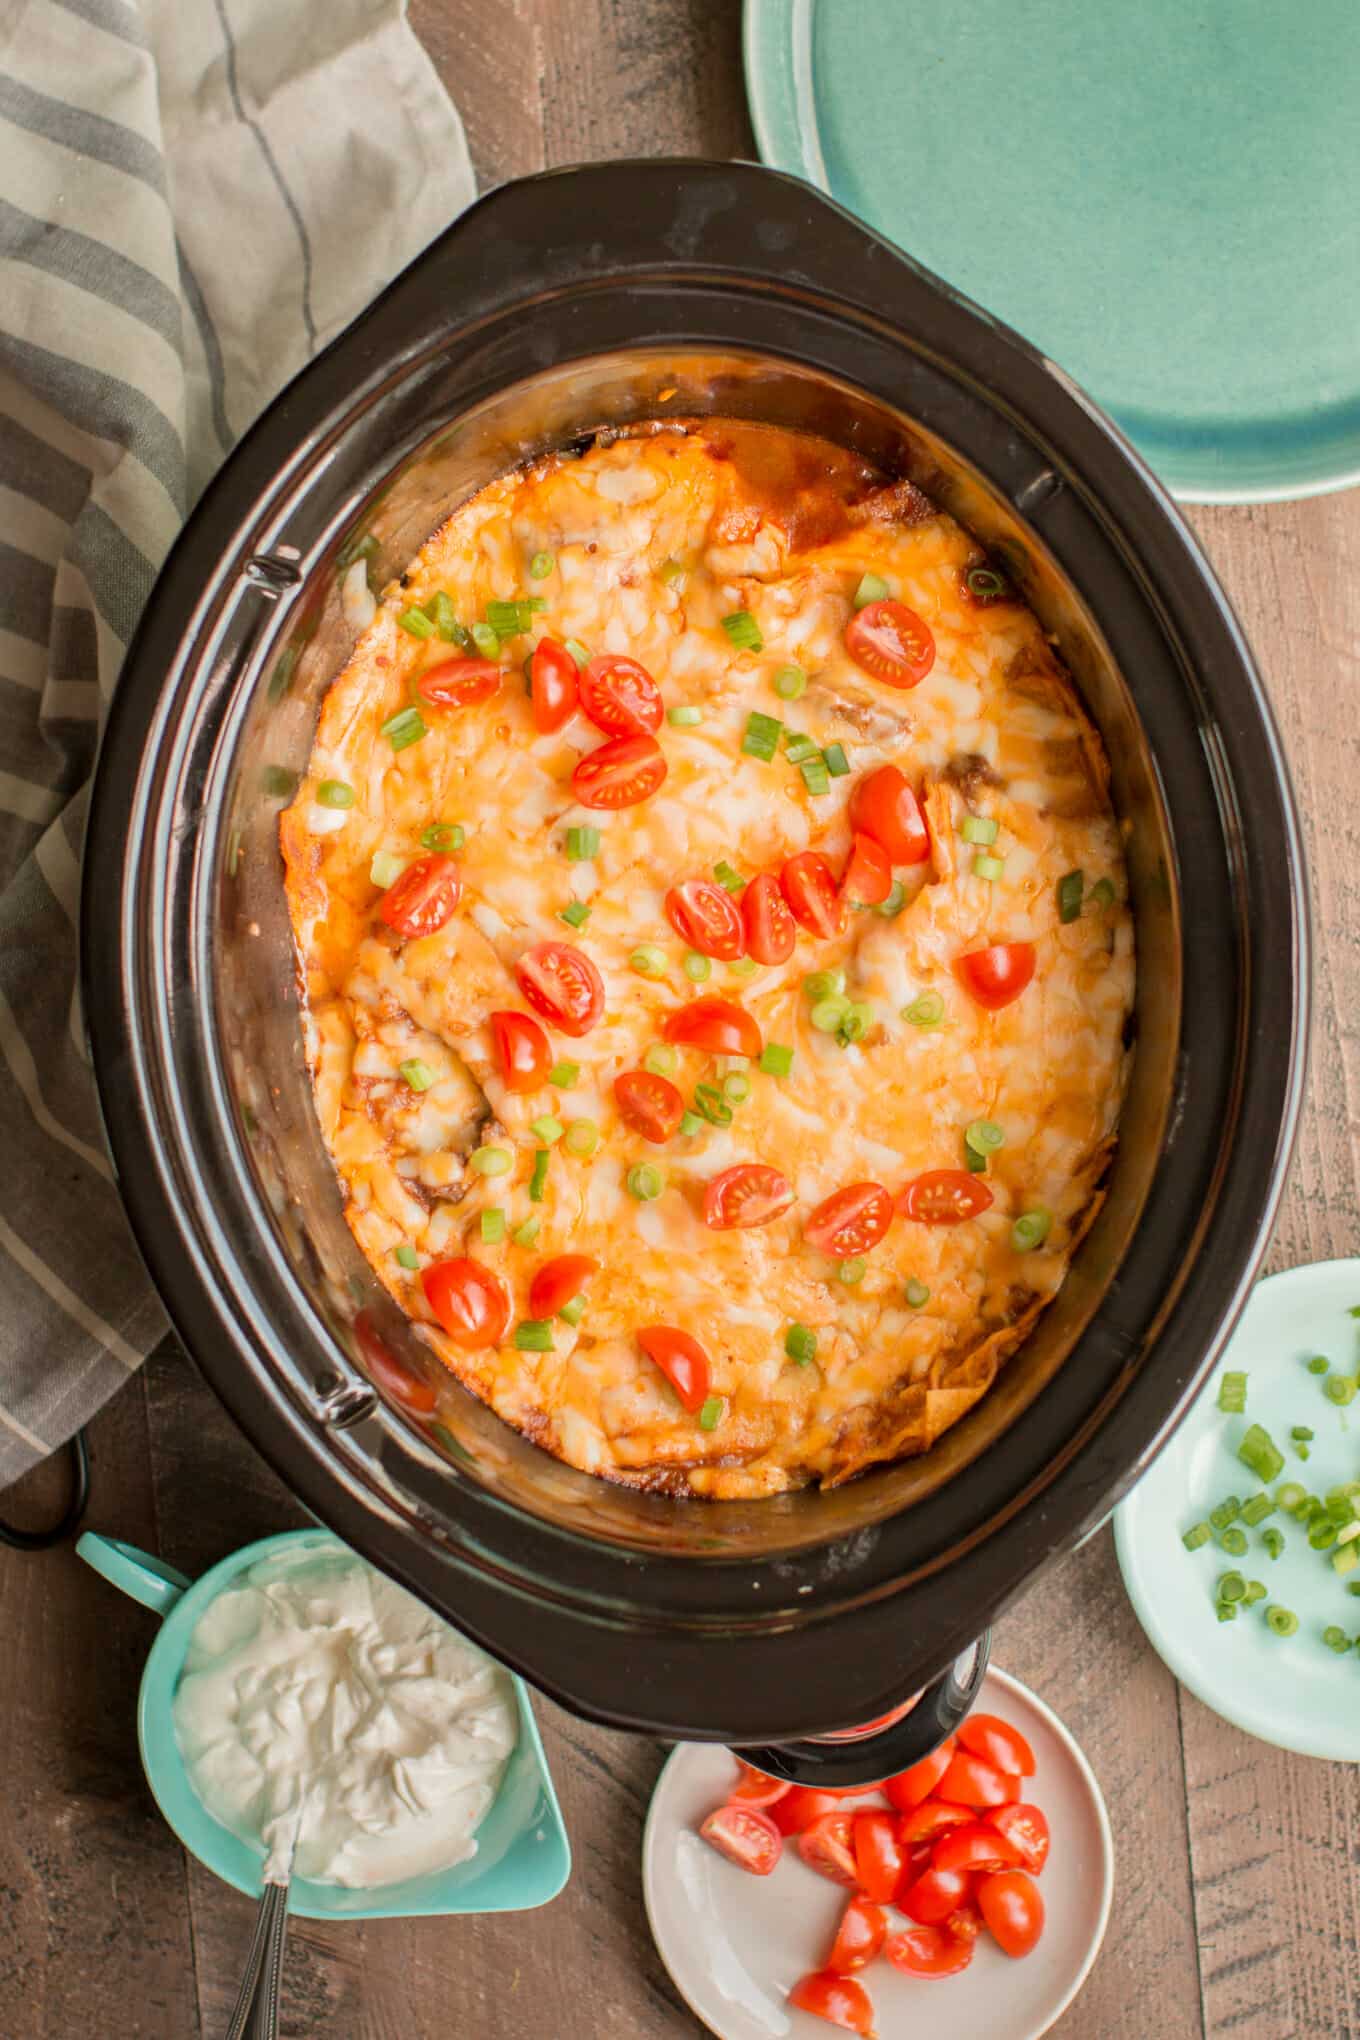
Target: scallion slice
(828, 1015)
(889, 909)
(684, 716)
(837, 764)
(697, 967)
(1339, 1389)
(440, 611)
(1335, 1639)
(648, 961)
(547, 1130)
(1227, 1511)
(1102, 892)
(576, 913)
(710, 1416)
(403, 729)
(541, 565)
(872, 588)
(1196, 1537)
(415, 623)
(278, 782)
(491, 1161)
(1071, 887)
(761, 736)
(493, 1225)
(1255, 1592)
(581, 1138)
(1031, 1229)
(1319, 1364)
(980, 829)
(984, 1135)
(534, 1335)
(661, 1059)
(736, 1087)
(1256, 1509)
(512, 619)
(789, 682)
(1345, 1558)
(856, 1023)
(385, 868)
(583, 843)
(816, 778)
(644, 1182)
(1282, 1621)
(1232, 1394)
(486, 640)
(1234, 1541)
(988, 867)
(573, 1310)
(1232, 1587)
(538, 1182)
(800, 1343)
(852, 1271)
(917, 1294)
(1301, 1433)
(443, 836)
(984, 584)
(775, 1059)
(672, 573)
(1273, 1541)
(925, 1010)
(730, 880)
(799, 746)
(564, 1075)
(407, 1257)
(417, 1074)
(824, 984)
(525, 1235)
(1289, 1494)
(334, 793)
(578, 652)
(690, 1124)
(709, 1100)
(743, 632)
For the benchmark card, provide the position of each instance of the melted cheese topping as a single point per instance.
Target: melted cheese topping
(654, 540)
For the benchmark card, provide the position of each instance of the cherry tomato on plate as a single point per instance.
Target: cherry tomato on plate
(975, 1846)
(470, 1302)
(620, 696)
(718, 1025)
(553, 685)
(858, 1937)
(681, 1359)
(556, 1282)
(840, 2000)
(1026, 1829)
(849, 1221)
(883, 806)
(944, 1197)
(649, 1104)
(746, 1836)
(767, 921)
(910, 1787)
(458, 683)
(972, 1781)
(994, 977)
(930, 1951)
(563, 985)
(931, 1817)
(809, 885)
(707, 917)
(891, 642)
(392, 1374)
(621, 773)
(1013, 1908)
(878, 1853)
(423, 898)
(827, 1846)
(934, 1895)
(749, 1194)
(987, 1735)
(521, 1050)
(867, 879)
(757, 1788)
(801, 1806)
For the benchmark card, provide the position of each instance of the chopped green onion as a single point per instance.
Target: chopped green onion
(856, 1023)
(538, 1182)
(1102, 892)
(1322, 1534)
(1273, 1541)
(541, 565)
(512, 619)
(672, 572)
(775, 1059)
(890, 908)
(1339, 1388)
(1345, 1558)
(415, 623)
(730, 880)
(1259, 1451)
(576, 913)
(440, 611)
(486, 640)
(824, 984)
(564, 1075)
(573, 1310)
(917, 1294)
(1335, 1639)
(1234, 1541)
(493, 1225)
(872, 588)
(491, 1161)
(685, 716)
(852, 1271)
(736, 1088)
(1300, 1433)
(385, 869)
(546, 1130)
(1257, 1509)
(361, 546)
(1071, 886)
(697, 966)
(1228, 1511)
(581, 1138)
(690, 1124)
(648, 961)
(789, 682)
(534, 1335)
(1196, 1537)
(403, 729)
(644, 1182)
(1232, 1587)
(761, 735)
(972, 1161)
(800, 1343)
(815, 776)
(443, 836)
(798, 746)
(583, 843)
(984, 1135)
(1255, 1592)
(984, 584)
(278, 782)
(837, 764)
(827, 1015)
(407, 1257)
(1232, 1394)
(661, 1059)
(335, 794)
(743, 631)
(710, 1416)
(578, 652)
(418, 1075)
(525, 1235)
(709, 1100)
(1226, 1611)
(988, 867)
(980, 829)
(1289, 1494)
(925, 1010)
(1319, 1364)
(1303, 1451)
(1031, 1229)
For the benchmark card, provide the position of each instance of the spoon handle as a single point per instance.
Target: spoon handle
(256, 2016)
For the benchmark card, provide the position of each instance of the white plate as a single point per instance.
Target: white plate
(735, 1944)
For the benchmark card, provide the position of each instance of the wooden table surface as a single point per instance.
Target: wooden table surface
(1236, 1896)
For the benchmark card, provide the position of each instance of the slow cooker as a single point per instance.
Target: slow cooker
(557, 308)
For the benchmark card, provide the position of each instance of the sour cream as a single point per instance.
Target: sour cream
(320, 1703)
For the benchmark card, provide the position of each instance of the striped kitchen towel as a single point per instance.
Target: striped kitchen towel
(196, 196)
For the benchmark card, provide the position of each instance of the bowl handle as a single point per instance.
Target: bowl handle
(149, 1580)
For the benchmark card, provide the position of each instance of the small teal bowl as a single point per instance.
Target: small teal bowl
(523, 1857)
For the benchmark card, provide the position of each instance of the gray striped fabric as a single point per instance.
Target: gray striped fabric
(197, 194)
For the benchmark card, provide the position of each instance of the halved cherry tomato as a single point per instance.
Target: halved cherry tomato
(563, 985)
(878, 1853)
(769, 926)
(707, 917)
(522, 1051)
(858, 1937)
(929, 1951)
(801, 1807)
(470, 1302)
(757, 1788)
(971, 1781)
(934, 1895)
(867, 879)
(974, 1846)
(719, 1025)
(649, 1104)
(556, 1282)
(620, 697)
(1026, 1829)
(458, 683)
(809, 886)
(746, 1836)
(910, 1787)
(423, 898)
(840, 2000)
(681, 1359)
(931, 1817)
(884, 807)
(849, 1221)
(1013, 1908)
(749, 1194)
(944, 1197)
(995, 976)
(554, 686)
(987, 1735)
(966, 1922)
(892, 642)
(827, 1846)
(620, 774)
(389, 1372)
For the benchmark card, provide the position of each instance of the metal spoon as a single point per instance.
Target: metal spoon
(256, 2016)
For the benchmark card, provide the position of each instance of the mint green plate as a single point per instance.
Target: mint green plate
(1291, 1691)
(1166, 199)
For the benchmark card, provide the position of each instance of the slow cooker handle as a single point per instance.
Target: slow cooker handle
(864, 1758)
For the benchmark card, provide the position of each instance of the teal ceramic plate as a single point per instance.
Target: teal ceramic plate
(1288, 1690)
(1165, 199)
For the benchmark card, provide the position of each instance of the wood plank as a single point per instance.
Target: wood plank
(642, 78)
(490, 59)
